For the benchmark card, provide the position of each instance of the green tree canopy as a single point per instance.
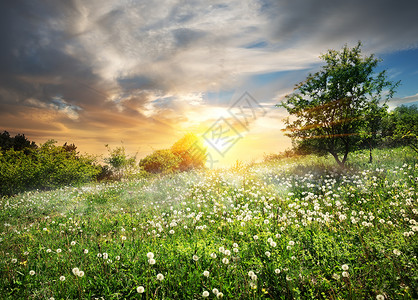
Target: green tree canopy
(336, 107)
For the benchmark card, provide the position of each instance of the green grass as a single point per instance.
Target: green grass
(295, 225)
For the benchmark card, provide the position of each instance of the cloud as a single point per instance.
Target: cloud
(100, 69)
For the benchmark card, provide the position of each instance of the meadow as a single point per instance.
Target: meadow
(295, 228)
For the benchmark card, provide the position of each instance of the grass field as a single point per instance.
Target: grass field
(289, 229)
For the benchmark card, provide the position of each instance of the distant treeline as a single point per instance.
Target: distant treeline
(26, 166)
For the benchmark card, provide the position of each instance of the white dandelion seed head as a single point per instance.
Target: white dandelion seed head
(205, 294)
(150, 255)
(140, 289)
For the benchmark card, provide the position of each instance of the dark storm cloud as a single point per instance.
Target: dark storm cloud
(383, 24)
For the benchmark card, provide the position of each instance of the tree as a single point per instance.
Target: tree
(401, 127)
(333, 109)
(191, 152)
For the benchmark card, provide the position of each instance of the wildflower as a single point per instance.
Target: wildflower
(380, 297)
(59, 250)
(123, 238)
(27, 253)
(75, 271)
(236, 250)
(215, 291)
(250, 273)
(48, 250)
(396, 252)
(86, 251)
(195, 257)
(291, 243)
(345, 274)
(235, 245)
(151, 261)
(73, 243)
(14, 260)
(227, 252)
(80, 274)
(336, 276)
(255, 237)
(267, 253)
(277, 271)
(219, 295)
(254, 277)
(99, 255)
(344, 267)
(117, 257)
(213, 255)
(225, 261)
(31, 272)
(221, 249)
(62, 278)
(205, 294)
(105, 255)
(206, 273)
(140, 289)
(150, 255)
(160, 277)
(273, 244)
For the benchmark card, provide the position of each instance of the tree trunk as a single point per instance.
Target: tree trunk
(337, 159)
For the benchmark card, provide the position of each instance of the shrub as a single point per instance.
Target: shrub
(160, 161)
(47, 167)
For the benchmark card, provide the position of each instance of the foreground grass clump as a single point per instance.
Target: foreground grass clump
(280, 230)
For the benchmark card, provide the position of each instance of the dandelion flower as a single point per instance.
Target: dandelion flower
(205, 294)
(250, 273)
(73, 243)
(344, 267)
(225, 261)
(221, 249)
(31, 272)
(62, 278)
(123, 238)
(219, 295)
(105, 255)
(151, 261)
(267, 253)
(86, 251)
(48, 250)
(150, 255)
(215, 291)
(396, 252)
(206, 273)
(59, 250)
(14, 260)
(380, 297)
(140, 289)
(291, 243)
(213, 255)
(227, 252)
(277, 271)
(195, 257)
(75, 271)
(160, 277)
(345, 274)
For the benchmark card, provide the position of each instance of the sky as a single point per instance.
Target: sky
(142, 73)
